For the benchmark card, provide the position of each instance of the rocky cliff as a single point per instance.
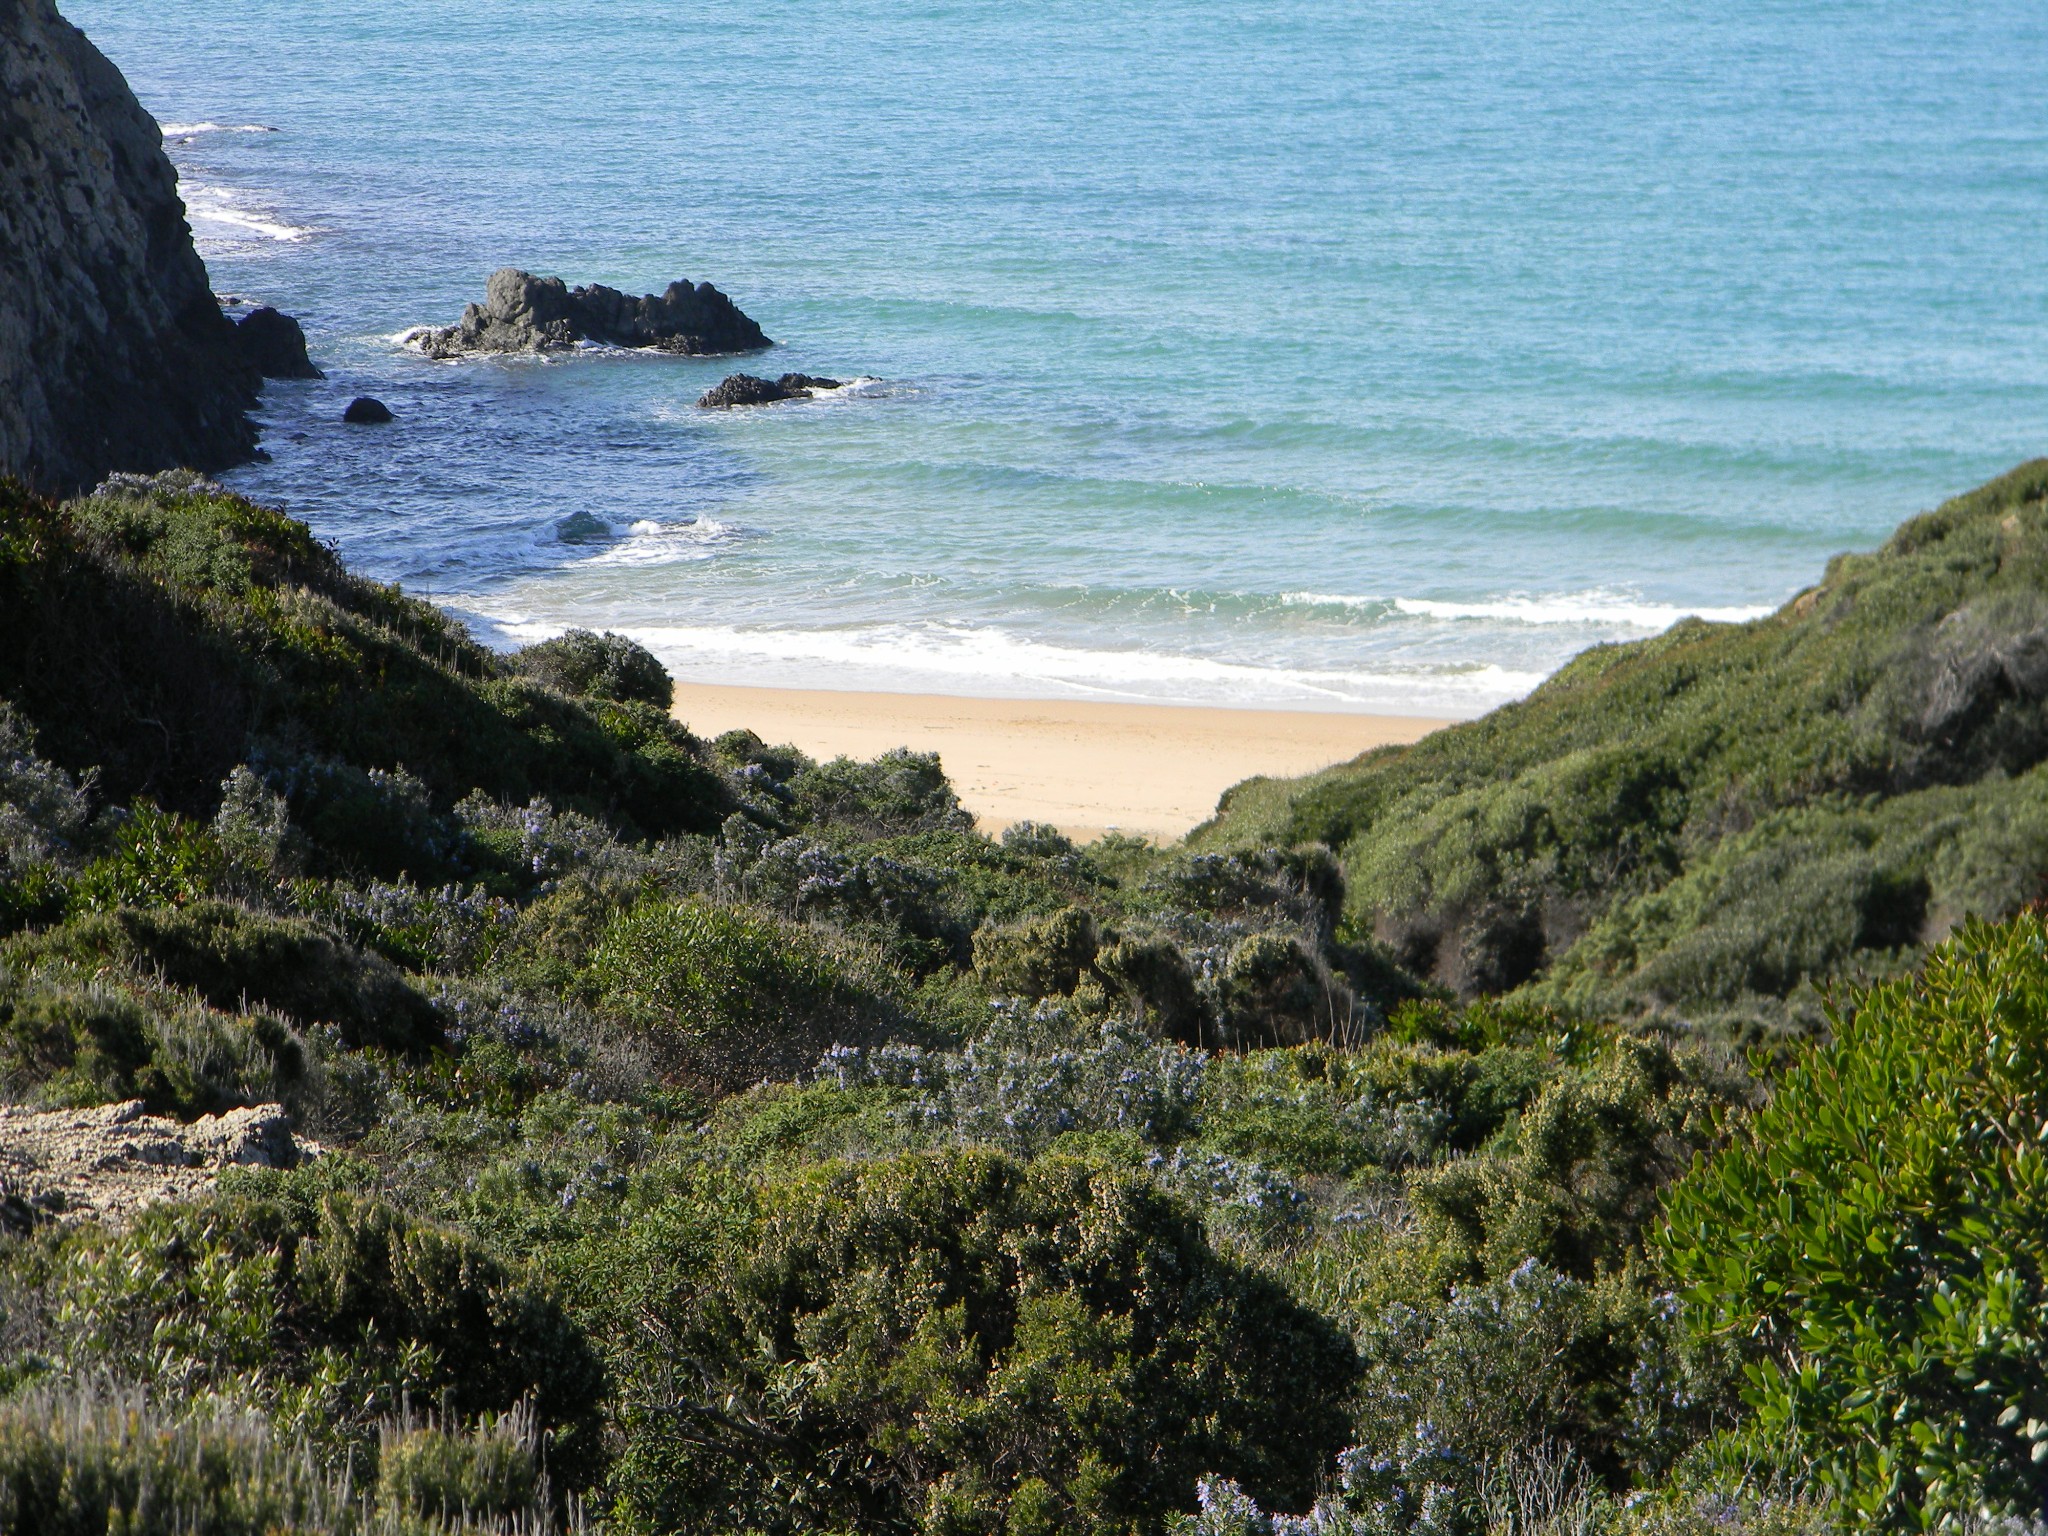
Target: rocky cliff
(113, 353)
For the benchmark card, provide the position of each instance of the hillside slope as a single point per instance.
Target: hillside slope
(1714, 820)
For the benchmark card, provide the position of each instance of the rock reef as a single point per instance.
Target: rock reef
(113, 352)
(524, 313)
(747, 389)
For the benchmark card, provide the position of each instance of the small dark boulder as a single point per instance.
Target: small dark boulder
(746, 389)
(275, 344)
(365, 412)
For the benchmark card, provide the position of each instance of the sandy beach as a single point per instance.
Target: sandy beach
(1148, 770)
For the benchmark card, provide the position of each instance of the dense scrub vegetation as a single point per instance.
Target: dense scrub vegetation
(717, 1140)
(1712, 823)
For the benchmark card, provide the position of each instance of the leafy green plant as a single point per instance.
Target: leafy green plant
(156, 860)
(326, 1308)
(1878, 1235)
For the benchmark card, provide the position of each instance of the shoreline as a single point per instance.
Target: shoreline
(1085, 766)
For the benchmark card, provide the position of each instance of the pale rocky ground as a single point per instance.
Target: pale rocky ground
(108, 1162)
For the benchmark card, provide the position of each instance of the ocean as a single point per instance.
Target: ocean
(1368, 356)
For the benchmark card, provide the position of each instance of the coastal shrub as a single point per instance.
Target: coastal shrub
(447, 929)
(85, 1462)
(1876, 1235)
(431, 1470)
(78, 1462)
(231, 955)
(254, 829)
(1274, 990)
(953, 1341)
(236, 632)
(156, 860)
(1415, 1489)
(897, 793)
(1828, 773)
(605, 666)
(898, 902)
(1302, 885)
(1021, 1094)
(1043, 958)
(70, 1046)
(44, 814)
(1153, 974)
(1574, 1179)
(537, 844)
(328, 1308)
(732, 993)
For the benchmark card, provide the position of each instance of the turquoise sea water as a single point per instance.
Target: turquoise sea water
(1352, 356)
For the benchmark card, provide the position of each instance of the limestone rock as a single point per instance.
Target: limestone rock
(113, 353)
(746, 389)
(524, 313)
(111, 1161)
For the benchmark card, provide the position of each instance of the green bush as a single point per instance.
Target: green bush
(1573, 1180)
(606, 666)
(428, 1470)
(898, 793)
(231, 956)
(328, 1308)
(734, 994)
(1878, 1234)
(156, 860)
(954, 1342)
(68, 1043)
(79, 1464)
(1044, 958)
(91, 1463)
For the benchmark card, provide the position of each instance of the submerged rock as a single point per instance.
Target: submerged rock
(746, 389)
(366, 412)
(275, 344)
(113, 353)
(583, 528)
(524, 313)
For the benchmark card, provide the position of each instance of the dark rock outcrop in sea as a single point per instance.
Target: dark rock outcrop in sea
(524, 313)
(363, 411)
(113, 353)
(746, 389)
(276, 345)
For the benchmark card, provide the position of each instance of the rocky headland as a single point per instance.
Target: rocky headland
(113, 352)
(525, 313)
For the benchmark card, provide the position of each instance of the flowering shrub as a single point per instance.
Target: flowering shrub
(1412, 1490)
(449, 928)
(1020, 1100)
(538, 843)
